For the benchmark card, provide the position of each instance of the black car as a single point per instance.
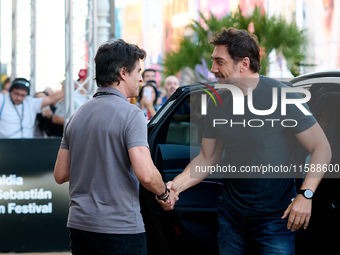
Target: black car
(191, 228)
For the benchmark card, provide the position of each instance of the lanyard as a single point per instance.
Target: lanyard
(20, 117)
(3, 104)
(103, 93)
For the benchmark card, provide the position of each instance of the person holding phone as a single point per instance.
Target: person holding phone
(148, 96)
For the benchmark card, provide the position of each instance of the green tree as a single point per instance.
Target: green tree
(272, 33)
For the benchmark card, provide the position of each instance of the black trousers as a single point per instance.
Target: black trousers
(90, 243)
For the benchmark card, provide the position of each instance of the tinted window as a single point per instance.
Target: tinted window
(186, 125)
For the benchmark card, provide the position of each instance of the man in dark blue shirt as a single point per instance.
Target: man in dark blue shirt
(259, 137)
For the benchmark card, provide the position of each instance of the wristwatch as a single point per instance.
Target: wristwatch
(307, 193)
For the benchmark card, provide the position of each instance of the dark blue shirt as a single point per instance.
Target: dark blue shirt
(252, 140)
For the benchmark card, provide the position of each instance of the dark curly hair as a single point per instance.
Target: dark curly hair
(150, 83)
(111, 57)
(240, 44)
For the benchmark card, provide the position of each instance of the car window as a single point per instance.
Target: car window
(165, 108)
(186, 125)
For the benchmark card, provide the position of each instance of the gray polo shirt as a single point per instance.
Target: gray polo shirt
(103, 188)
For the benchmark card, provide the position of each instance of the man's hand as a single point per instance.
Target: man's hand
(173, 198)
(148, 104)
(299, 212)
(171, 185)
(170, 202)
(47, 112)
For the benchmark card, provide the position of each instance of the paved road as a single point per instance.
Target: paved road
(39, 253)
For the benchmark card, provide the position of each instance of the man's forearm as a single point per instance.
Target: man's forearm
(62, 167)
(319, 158)
(58, 120)
(57, 96)
(210, 154)
(154, 182)
(52, 99)
(184, 180)
(145, 170)
(315, 141)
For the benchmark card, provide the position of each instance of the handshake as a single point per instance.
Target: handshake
(169, 198)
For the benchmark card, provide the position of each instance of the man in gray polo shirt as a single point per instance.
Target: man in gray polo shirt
(104, 155)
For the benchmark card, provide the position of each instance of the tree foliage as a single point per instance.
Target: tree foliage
(272, 33)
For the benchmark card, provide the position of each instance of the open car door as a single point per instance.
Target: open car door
(174, 139)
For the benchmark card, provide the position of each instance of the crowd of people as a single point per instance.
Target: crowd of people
(151, 95)
(43, 115)
(19, 111)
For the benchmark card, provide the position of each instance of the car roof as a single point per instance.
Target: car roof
(304, 80)
(327, 76)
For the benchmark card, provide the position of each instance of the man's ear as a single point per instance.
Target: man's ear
(244, 64)
(123, 73)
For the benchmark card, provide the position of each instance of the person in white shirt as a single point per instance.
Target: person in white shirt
(18, 110)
